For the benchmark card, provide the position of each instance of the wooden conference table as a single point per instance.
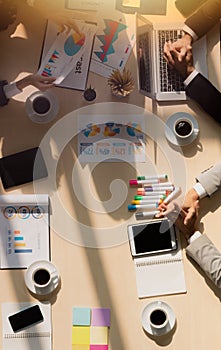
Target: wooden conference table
(104, 276)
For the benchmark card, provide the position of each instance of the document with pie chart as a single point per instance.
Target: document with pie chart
(24, 227)
(66, 56)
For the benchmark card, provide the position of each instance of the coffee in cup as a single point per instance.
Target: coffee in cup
(41, 277)
(41, 105)
(183, 128)
(44, 278)
(158, 319)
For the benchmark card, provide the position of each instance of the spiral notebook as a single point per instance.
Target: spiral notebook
(160, 274)
(36, 337)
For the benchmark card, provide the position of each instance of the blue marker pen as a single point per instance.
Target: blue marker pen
(143, 206)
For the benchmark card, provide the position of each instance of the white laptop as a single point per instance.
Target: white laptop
(155, 79)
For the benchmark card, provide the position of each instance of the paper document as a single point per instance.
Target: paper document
(24, 230)
(111, 138)
(67, 56)
(113, 43)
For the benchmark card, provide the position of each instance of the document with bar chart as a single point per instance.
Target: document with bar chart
(66, 57)
(113, 44)
(24, 230)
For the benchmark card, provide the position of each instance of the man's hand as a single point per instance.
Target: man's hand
(191, 205)
(183, 65)
(40, 82)
(187, 228)
(181, 46)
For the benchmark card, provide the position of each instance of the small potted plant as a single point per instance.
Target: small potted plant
(121, 83)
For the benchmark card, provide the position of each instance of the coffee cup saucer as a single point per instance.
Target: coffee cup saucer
(41, 264)
(48, 116)
(146, 316)
(169, 129)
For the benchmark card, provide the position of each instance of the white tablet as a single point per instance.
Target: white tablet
(154, 236)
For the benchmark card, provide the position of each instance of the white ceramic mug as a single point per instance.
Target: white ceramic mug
(183, 128)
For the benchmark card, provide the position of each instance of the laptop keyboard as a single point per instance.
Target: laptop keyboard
(170, 80)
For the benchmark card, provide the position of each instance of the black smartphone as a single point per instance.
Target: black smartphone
(26, 318)
(22, 167)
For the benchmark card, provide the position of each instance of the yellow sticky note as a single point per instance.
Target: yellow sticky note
(80, 335)
(99, 335)
(80, 347)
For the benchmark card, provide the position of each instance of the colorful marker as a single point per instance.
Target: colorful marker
(156, 188)
(146, 214)
(159, 177)
(172, 195)
(142, 206)
(141, 182)
(145, 197)
(162, 184)
(147, 181)
(147, 201)
(142, 192)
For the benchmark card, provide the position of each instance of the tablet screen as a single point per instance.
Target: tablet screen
(156, 236)
(22, 167)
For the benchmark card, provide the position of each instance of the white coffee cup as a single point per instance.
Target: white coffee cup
(42, 277)
(41, 105)
(183, 128)
(158, 320)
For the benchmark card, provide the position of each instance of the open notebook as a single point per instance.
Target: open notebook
(36, 337)
(160, 274)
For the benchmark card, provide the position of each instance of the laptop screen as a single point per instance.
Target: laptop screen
(144, 37)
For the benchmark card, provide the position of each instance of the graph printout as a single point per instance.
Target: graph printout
(113, 43)
(111, 138)
(24, 230)
(67, 56)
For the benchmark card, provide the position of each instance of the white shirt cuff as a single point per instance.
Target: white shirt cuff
(200, 190)
(189, 31)
(196, 235)
(11, 90)
(190, 77)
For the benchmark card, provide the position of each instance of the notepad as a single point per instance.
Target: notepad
(90, 328)
(36, 337)
(24, 227)
(160, 274)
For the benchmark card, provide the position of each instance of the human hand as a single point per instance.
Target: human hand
(181, 46)
(191, 205)
(65, 23)
(40, 82)
(188, 228)
(178, 216)
(183, 64)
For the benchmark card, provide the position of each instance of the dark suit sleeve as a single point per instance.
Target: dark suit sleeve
(205, 18)
(206, 95)
(3, 99)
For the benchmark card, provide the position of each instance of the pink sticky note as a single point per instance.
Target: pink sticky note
(100, 317)
(98, 347)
